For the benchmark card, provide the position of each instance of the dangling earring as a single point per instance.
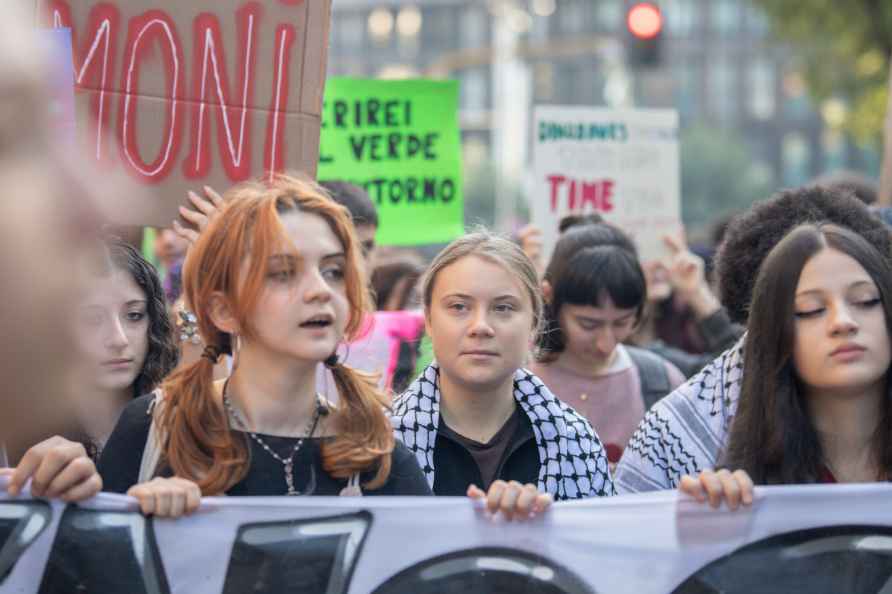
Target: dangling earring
(236, 349)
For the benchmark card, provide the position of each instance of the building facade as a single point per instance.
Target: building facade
(720, 68)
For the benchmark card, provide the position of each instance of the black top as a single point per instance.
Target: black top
(490, 455)
(457, 468)
(121, 457)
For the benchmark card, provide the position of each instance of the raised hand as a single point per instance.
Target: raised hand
(687, 275)
(205, 209)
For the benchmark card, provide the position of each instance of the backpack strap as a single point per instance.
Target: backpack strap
(151, 454)
(653, 373)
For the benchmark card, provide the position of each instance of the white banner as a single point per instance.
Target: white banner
(622, 164)
(829, 538)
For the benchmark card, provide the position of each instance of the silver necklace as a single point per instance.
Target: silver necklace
(287, 463)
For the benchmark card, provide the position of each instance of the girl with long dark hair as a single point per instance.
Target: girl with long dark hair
(125, 333)
(815, 403)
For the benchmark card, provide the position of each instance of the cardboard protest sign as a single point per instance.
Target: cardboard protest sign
(400, 141)
(184, 94)
(383, 337)
(819, 539)
(621, 164)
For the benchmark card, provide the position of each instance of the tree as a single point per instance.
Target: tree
(846, 51)
(716, 178)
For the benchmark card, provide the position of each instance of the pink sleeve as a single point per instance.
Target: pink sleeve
(676, 377)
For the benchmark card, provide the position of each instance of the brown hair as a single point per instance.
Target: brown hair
(200, 446)
(772, 436)
(392, 270)
(498, 250)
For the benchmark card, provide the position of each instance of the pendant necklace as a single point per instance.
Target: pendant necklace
(286, 462)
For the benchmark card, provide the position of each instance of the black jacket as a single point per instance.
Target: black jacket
(520, 461)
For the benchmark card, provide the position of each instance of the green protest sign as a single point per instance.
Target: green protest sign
(400, 141)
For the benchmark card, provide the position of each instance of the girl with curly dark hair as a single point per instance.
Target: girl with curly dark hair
(126, 335)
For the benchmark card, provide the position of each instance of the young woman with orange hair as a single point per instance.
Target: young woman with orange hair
(275, 280)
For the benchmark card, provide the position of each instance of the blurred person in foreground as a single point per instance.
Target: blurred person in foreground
(48, 218)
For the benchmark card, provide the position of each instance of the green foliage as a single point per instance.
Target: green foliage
(718, 177)
(845, 48)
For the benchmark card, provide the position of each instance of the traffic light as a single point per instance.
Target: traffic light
(644, 34)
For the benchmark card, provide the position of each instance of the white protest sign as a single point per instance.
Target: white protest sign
(620, 163)
(816, 539)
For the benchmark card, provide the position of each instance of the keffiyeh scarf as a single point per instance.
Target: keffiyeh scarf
(573, 463)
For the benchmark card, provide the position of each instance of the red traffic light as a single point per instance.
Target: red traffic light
(644, 20)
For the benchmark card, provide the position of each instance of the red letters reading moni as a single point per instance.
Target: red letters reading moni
(226, 75)
(577, 194)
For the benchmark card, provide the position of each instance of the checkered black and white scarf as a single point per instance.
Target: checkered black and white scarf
(572, 458)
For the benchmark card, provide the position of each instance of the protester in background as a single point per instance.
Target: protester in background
(275, 279)
(477, 421)
(170, 248)
(126, 334)
(395, 287)
(362, 211)
(684, 432)
(815, 404)
(530, 236)
(595, 293)
(395, 280)
(685, 322)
